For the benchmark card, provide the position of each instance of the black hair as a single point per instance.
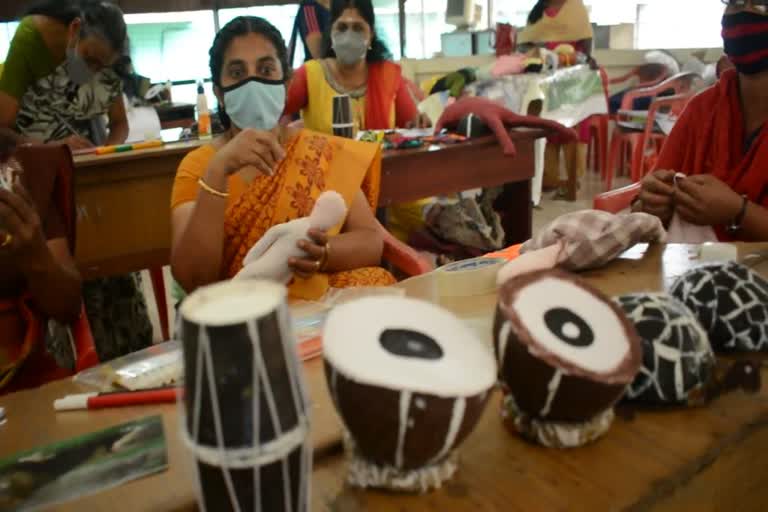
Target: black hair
(378, 51)
(99, 18)
(238, 27)
(538, 11)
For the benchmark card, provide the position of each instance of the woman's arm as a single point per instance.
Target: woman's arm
(406, 112)
(9, 107)
(198, 235)
(754, 227)
(50, 272)
(118, 122)
(53, 280)
(198, 226)
(359, 245)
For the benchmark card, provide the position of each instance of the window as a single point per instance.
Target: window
(425, 22)
(171, 46)
(283, 17)
(658, 24)
(6, 36)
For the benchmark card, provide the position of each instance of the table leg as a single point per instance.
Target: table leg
(516, 210)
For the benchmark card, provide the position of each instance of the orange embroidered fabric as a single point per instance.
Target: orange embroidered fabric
(314, 163)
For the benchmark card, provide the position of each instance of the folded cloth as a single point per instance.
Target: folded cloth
(594, 238)
(584, 240)
(683, 232)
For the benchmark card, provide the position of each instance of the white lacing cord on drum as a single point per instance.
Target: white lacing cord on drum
(251, 456)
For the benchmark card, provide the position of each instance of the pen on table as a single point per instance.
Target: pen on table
(122, 148)
(117, 399)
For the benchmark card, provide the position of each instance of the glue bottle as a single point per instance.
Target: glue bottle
(203, 114)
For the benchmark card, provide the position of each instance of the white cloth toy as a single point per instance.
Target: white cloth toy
(268, 258)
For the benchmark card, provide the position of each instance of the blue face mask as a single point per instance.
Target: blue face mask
(255, 103)
(77, 69)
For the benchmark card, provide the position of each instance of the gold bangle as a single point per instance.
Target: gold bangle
(211, 190)
(326, 256)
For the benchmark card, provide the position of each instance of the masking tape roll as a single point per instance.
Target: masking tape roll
(468, 278)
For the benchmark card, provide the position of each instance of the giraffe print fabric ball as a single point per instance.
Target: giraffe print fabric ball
(678, 361)
(731, 303)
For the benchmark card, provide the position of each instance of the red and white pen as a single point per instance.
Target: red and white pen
(117, 399)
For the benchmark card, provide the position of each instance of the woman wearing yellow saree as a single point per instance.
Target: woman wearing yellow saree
(228, 194)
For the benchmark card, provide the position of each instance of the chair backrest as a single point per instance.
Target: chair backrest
(648, 75)
(39, 159)
(677, 84)
(617, 200)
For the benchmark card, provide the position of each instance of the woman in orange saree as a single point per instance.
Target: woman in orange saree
(228, 194)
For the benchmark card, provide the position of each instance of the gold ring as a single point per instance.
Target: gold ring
(318, 264)
(7, 240)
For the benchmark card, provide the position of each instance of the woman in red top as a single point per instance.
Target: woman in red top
(721, 141)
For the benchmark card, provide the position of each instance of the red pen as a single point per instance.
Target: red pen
(117, 399)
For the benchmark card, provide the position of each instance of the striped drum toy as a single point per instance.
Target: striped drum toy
(245, 412)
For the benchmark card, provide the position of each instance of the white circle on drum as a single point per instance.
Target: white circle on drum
(232, 302)
(407, 345)
(568, 321)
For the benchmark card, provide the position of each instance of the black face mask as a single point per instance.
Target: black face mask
(745, 36)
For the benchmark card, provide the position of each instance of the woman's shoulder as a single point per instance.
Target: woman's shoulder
(708, 100)
(196, 161)
(387, 65)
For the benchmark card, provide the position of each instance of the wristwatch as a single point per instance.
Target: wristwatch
(735, 226)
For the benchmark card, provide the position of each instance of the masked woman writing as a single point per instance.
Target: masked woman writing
(721, 141)
(57, 80)
(228, 194)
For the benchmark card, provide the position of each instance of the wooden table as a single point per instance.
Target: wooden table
(707, 459)
(123, 199)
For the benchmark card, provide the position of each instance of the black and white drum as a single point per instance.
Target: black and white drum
(410, 381)
(566, 353)
(246, 410)
(678, 361)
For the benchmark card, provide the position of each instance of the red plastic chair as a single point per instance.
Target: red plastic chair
(617, 200)
(597, 151)
(681, 85)
(647, 75)
(673, 106)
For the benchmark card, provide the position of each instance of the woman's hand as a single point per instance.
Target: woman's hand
(658, 193)
(257, 150)
(706, 201)
(316, 249)
(21, 234)
(421, 121)
(75, 142)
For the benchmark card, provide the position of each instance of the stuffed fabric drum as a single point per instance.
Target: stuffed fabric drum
(566, 354)
(410, 381)
(678, 361)
(245, 419)
(731, 303)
